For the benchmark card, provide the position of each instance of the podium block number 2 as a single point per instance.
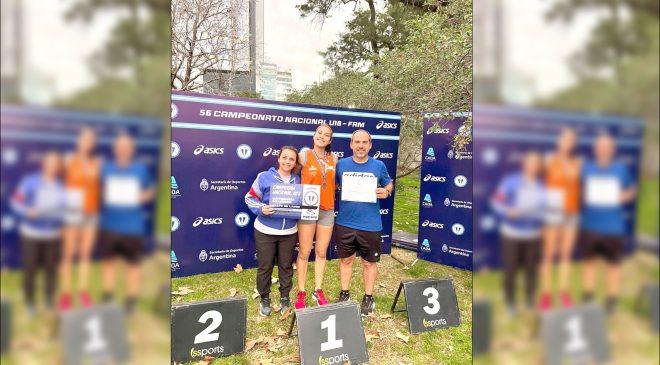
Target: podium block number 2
(207, 335)
(333, 342)
(434, 306)
(576, 341)
(95, 340)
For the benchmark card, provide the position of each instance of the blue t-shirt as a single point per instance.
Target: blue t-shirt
(358, 215)
(123, 215)
(604, 218)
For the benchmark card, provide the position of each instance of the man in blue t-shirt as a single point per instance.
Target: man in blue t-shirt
(607, 186)
(127, 186)
(362, 180)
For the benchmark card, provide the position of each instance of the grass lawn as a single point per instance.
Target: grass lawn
(449, 346)
(36, 341)
(406, 204)
(629, 333)
(647, 208)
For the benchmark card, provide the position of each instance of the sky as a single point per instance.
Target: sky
(536, 52)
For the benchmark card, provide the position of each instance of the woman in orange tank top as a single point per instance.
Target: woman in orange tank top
(563, 192)
(83, 186)
(318, 168)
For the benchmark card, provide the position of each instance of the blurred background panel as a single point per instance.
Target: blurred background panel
(540, 66)
(103, 65)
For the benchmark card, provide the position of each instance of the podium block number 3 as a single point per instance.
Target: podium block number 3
(333, 342)
(95, 340)
(576, 341)
(207, 334)
(434, 306)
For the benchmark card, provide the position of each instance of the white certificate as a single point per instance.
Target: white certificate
(555, 200)
(359, 187)
(122, 191)
(603, 191)
(74, 199)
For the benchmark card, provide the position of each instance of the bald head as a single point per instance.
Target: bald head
(361, 145)
(604, 149)
(124, 149)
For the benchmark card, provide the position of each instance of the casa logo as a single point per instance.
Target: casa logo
(201, 149)
(458, 229)
(385, 125)
(433, 323)
(384, 211)
(174, 261)
(383, 155)
(428, 223)
(450, 154)
(201, 221)
(488, 223)
(447, 202)
(175, 223)
(10, 156)
(270, 151)
(445, 248)
(175, 149)
(430, 155)
(204, 185)
(242, 219)
(426, 246)
(194, 353)
(244, 151)
(203, 256)
(428, 202)
(311, 198)
(175, 188)
(175, 111)
(334, 360)
(436, 128)
(460, 181)
(432, 178)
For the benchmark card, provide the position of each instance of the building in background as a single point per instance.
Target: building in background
(268, 81)
(256, 23)
(284, 84)
(223, 82)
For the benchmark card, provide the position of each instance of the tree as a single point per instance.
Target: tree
(431, 71)
(370, 33)
(207, 35)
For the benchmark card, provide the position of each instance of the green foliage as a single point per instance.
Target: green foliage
(431, 71)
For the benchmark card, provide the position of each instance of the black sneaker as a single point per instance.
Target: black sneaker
(285, 304)
(264, 307)
(344, 296)
(368, 305)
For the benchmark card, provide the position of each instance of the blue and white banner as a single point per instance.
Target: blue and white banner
(445, 210)
(27, 133)
(503, 134)
(220, 144)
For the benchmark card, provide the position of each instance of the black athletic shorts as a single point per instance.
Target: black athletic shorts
(127, 246)
(349, 241)
(608, 246)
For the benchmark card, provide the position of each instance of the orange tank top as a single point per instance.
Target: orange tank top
(85, 180)
(312, 173)
(564, 176)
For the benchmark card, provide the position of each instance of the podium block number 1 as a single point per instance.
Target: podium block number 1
(95, 340)
(434, 306)
(207, 335)
(576, 340)
(333, 342)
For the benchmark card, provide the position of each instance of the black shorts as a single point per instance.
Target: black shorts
(127, 246)
(607, 246)
(349, 241)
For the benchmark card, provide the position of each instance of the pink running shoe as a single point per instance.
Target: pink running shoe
(565, 299)
(64, 303)
(300, 301)
(85, 299)
(319, 297)
(545, 303)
